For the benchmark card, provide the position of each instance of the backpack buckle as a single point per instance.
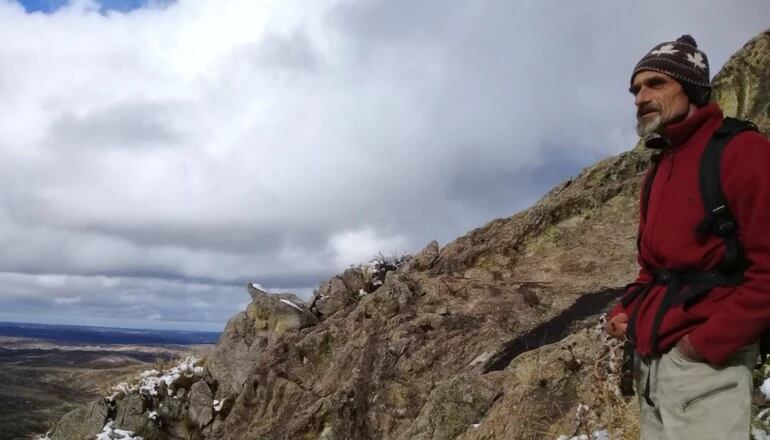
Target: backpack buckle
(663, 276)
(719, 210)
(725, 228)
(724, 225)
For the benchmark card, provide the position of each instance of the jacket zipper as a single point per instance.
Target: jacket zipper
(708, 394)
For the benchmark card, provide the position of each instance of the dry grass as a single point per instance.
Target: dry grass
(601, 406)
(528, 369)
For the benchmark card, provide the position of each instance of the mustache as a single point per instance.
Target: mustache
(646, 109)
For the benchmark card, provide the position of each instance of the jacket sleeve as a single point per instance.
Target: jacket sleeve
(745, 313)
(643, 278)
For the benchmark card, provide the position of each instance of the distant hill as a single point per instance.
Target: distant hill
(105, 335)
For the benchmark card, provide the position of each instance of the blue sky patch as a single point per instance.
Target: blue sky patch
(51, 6)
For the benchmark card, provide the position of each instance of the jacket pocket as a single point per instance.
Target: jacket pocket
(708, 394)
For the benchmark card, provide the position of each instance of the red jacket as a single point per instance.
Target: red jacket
(727, 318)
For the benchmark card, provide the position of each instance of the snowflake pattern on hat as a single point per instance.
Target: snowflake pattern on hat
(696, 59)
(666, 49)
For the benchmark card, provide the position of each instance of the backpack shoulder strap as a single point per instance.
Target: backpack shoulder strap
(647, 184)
(718, 219)
(645, 196)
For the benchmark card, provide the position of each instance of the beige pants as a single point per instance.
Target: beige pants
(695, 400)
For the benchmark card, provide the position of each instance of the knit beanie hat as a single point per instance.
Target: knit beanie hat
(681, 60)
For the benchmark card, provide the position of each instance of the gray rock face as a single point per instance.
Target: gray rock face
(131, 415)
(234, 355)
(201, 400)
(371, 371)
(354, 280)
(424, 259)
(266, 319)
(453, 407)
(742, 87)
(332, 296)
(82, 423)
(172, 409)
(255, 291)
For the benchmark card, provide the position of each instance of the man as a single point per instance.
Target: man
(694, 358)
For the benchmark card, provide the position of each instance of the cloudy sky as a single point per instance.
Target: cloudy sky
(155, 156)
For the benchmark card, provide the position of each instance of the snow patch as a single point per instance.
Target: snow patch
(758, 434)
(598, 435)
(765, 388)
(109, 432)
(149, 381)
(120, 390)
(286, 301)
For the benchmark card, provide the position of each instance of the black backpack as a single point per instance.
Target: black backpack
(718, 220)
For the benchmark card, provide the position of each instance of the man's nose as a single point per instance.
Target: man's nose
(641, 97)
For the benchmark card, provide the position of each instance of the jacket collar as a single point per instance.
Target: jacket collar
(700, 124)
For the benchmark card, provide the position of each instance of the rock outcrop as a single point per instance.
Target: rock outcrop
(84, 422)
(451, 344)
(742, 87)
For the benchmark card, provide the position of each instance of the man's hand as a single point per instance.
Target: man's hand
(688, 351)
(616, 327)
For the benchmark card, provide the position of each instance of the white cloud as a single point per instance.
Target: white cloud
(67, 300)
(209, 144)
(360, 246)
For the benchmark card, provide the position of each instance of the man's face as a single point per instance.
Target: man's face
(660, 101)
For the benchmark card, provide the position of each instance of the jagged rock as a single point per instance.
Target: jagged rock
(353, 279)
(234, 355)
(275, 314)
(131, 416)
(331, 296)
(266, 318)
(82, 423)
(454, 406)
(742, 87)
(266, 303)
(201, 402)
(255, 291)
(424, 259)
(172, 409)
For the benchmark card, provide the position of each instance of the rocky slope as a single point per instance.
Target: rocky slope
(453, 344)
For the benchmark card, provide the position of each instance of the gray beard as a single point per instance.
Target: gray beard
(644, 129)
